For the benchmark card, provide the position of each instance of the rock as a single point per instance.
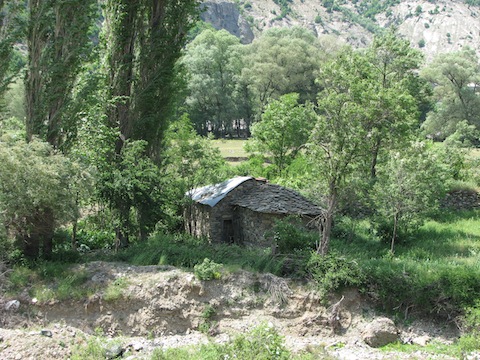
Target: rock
(114, 351)
(46, 333)
(226, 15)
(380, 332)
(137, 346)
(421, 340)
(12, 305)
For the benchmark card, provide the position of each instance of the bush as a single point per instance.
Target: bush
(262, 343)
(333, 272)
(290, 234)
(429, 288)
(207, 270)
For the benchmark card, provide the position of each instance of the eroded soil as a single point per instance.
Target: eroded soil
(161, 306)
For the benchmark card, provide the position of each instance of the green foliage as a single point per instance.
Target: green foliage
(58, 43)
(15, 106)
(12, 28)
(409, 187)
(134, 183)
(436, 288)
(114, 290)
(454, 76)
(184, 251)
(49, 281)
(254, 166)
(285, 8)
(337, 143)
(290, 234)
(208, 312)
(263, 343)
(207, 270)
(282, 131)
(94, 348)
(189, 161)
(333, 272)
(35, 180)
(470, 340)
(207, 323)
(213, 68)
(282, 61)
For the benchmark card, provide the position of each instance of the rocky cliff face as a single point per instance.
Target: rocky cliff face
(226, 15)
(434, 27)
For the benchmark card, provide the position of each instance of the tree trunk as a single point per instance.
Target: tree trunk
(394, 235)
(374, 159)
(40, 235)
(327, 227)
(74, 235)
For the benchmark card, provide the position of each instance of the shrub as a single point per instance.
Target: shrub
(290, 234)
(207, 270)
(333, 272)
(37, 193)
(262, 343)
(115, 290)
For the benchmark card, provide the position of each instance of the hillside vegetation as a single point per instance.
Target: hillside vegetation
(432, 26)
(111, 111)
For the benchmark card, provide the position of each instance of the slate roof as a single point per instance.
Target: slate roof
(275, 199)
(212, 194)
(263, 198)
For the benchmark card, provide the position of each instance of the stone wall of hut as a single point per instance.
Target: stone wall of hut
(222, 214)
(254, 226)
(197, 220)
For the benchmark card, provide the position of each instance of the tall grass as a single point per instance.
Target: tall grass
(437, 272)
(186, 252)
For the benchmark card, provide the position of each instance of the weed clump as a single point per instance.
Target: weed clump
(207, 270)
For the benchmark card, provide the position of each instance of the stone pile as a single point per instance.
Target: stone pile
(462, 200)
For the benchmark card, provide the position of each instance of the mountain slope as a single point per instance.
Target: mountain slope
(433, 26)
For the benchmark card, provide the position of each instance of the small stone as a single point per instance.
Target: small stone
(47, 333)
(114, 352)
(421, 340)
(18, 356)
(12, 305)
(137, 346)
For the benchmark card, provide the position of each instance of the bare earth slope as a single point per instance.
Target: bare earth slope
(165, 307)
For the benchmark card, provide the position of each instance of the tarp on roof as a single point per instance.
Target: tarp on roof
(212, 194)
(275, 199)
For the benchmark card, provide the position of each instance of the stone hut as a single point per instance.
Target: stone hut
(241, 210)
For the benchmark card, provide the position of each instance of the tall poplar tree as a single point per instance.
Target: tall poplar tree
(144, 40)
(57, 42)
(11, 30)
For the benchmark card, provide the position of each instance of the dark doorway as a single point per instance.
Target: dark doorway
(228, 234)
